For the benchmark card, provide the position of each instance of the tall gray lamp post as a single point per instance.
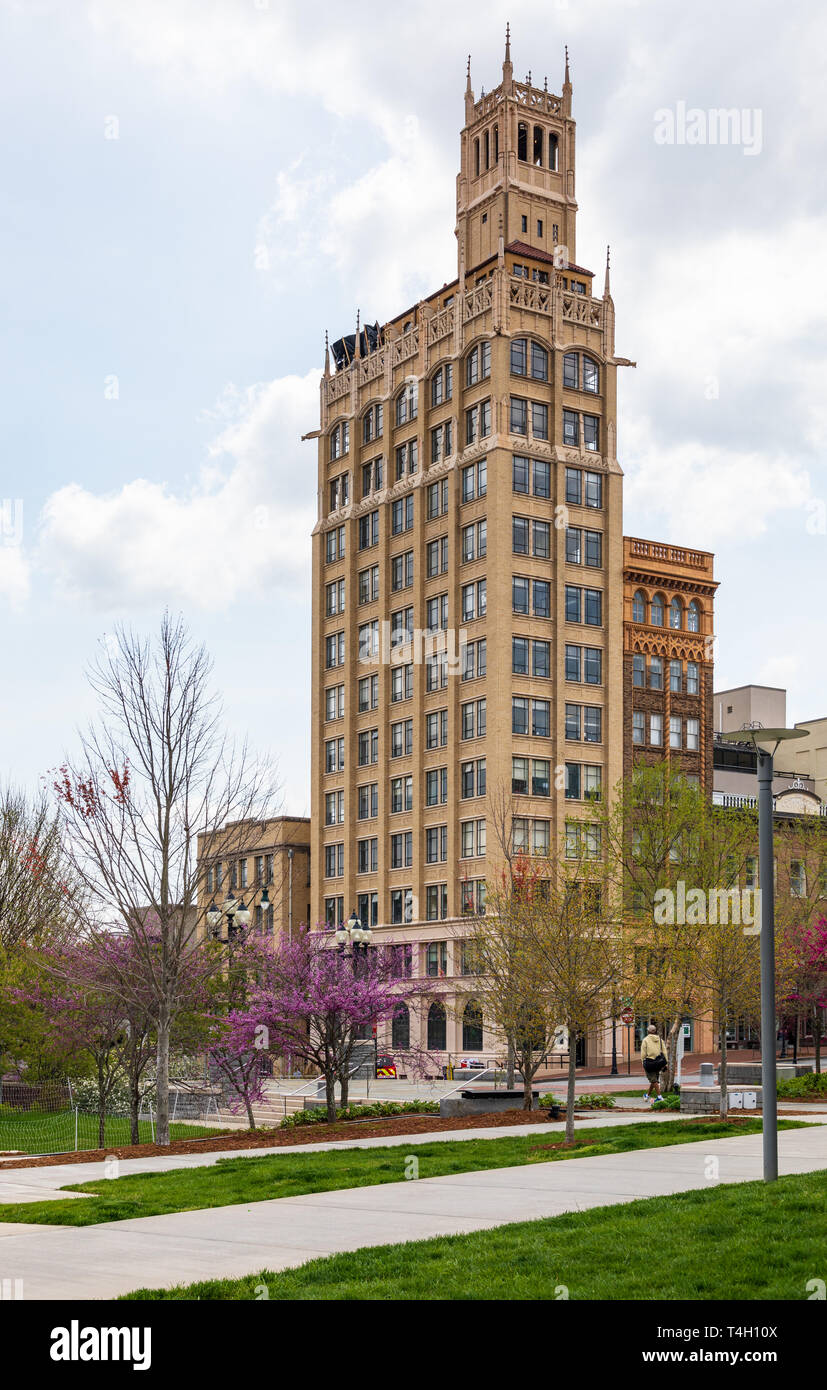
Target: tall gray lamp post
(766, 742)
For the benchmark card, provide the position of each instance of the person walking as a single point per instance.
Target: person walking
(654, 1059)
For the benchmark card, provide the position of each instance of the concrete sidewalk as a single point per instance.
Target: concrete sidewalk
(107, 1260)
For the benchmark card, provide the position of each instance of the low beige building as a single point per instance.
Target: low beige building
(266, 873)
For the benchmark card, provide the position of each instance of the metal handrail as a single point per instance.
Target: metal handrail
(314, 1081)
(462, 1084)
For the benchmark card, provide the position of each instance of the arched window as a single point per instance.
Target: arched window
(442, 384)
(487, 141)
(339, 440)
(472, 1027)
(401, 1027)
(693, 620)
(519, 356)
(477, 158)
(657, 610)
(553, 147)
(539, 362)
(638, 608)
(522, 142)
(676, 613)
(407, 403)
(496, 143)
(591, 376)
(437, 1032)
(538, 144)
(373, 422)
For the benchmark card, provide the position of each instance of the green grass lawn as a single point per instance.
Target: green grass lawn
(243, 1180)
(744, 1241)
(46, 1132)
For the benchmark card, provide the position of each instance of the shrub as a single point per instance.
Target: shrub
(378, 1110)
(586, 1102)
(811, 1084)
(670, 1100)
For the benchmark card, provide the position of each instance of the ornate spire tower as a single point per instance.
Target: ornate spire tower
(517, 165)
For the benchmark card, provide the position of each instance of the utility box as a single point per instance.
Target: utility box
(750, 1100)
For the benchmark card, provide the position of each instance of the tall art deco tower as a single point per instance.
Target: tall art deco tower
(468, 555)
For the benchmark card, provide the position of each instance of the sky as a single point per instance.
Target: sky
(195, 190)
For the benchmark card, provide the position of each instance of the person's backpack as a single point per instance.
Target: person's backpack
(661, 1062)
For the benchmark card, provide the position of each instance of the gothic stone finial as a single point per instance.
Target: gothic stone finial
(606, 288)
(508, 42)
(567, 78)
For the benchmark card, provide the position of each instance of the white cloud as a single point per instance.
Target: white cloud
(242, 530)
(401, 208)
(699, 494)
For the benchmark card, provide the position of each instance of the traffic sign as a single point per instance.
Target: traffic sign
(628, 1017)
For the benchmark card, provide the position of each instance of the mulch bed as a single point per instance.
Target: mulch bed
(278, 1138)
(324, 1133)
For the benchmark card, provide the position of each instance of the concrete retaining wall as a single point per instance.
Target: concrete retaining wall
(481, 1105)
(706, 1100)
(744, 1073)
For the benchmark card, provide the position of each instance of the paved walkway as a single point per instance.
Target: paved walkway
(107, 1260)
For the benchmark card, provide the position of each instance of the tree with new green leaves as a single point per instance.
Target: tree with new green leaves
(566, 919)
(507, 976)
(727, 966)
(674, 856)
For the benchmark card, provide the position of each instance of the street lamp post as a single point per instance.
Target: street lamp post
(358, 937)
(765, 742)
(233, 911)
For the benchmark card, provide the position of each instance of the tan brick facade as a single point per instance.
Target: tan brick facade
(247, 859)
(531, 410)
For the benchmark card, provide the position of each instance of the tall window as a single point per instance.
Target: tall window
(472, 1027)
(478, 364)
(436, 1028)
(442, 384)
(401, 1028)
(373, 422)
(407, 403)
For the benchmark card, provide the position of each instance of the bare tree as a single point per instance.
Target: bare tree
(155, 770)
(500, 818)
(566, 918)
(39, 894)
(508, 976)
